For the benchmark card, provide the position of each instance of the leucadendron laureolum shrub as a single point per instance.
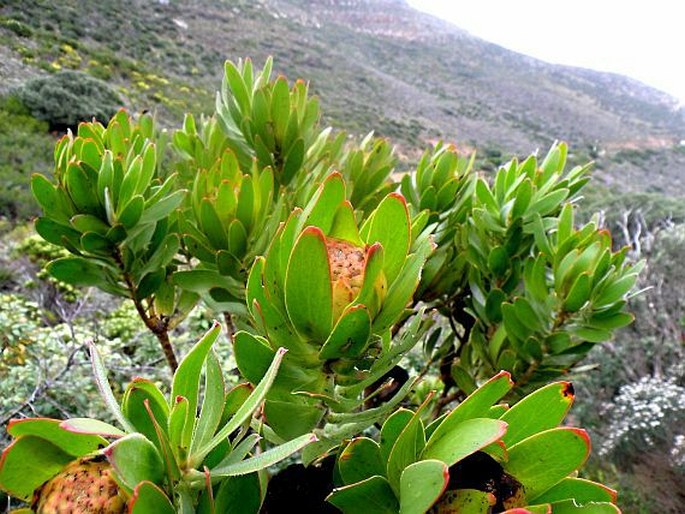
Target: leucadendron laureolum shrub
(332, 272)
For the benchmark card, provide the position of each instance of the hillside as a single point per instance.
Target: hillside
(375, 64)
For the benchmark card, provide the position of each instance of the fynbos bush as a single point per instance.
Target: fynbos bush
(306, 244)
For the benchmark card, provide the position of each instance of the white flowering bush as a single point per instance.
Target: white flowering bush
(678, 452)
(643, 416)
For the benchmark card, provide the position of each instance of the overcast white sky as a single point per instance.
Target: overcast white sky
(642, 39)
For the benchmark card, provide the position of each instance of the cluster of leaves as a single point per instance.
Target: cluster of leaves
(477, 457)
(526, 290)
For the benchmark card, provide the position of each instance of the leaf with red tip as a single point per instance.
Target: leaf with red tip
(466, 501)
(265, 459)
(544, 459)
(361, 459)
(308, 289)
(349, 336)
(374, 287)
(541, 410)
(463, 439)
(478, 403)
(148, 498)
(578, 489)
(29, 462)
(321, 210)
(247, 408)
(390, 226)
(133, 407)
(186, 380)
(100, 374)
(535, 509)
(421, 484)
(371, 495)
(51, 430)
(570, 507)
(345, 225)
(391, 430)
(92, 427)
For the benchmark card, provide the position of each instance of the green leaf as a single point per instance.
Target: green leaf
(265, 459)
(290, 419)
(132, 212)
(150, 283)
(401, 290)
(45, 193)
(345, 225)
(135, 459)
(476, 405)
(253, 355)
(349, 336)
(148, 498)
(549, 203)
(391, 430)
(77, 271)
(198, 280)
(406, 450)
(361, 459)
(100, 374)
(247, 408)
(238, 88)
(493, 305)
(89, 223)
(239, 495)
(390, 227)
(75, 444)
(212, 402)
(593, 335)
(293, 160)
(280, 106)
(579, 293)
(159, 209)
(498, 261)
(374, 287)
(237, 238)
(570, 507)
(322, 209)
(308, 290)
(57, 233)
(541, 410)
(544, 459)
(421, 484)
(80, 190)
(613, 322)
(29, 462)
(133, 401)
(92, 427)
(615, 291)
(463, 439)
(186, 381)
(469, 501)
(371, 495)
(485, 196)
(578, 489)
(212, 226)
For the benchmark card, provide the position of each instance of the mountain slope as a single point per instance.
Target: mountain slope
(375, 64)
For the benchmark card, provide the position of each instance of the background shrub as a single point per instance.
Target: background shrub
(69, 97)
